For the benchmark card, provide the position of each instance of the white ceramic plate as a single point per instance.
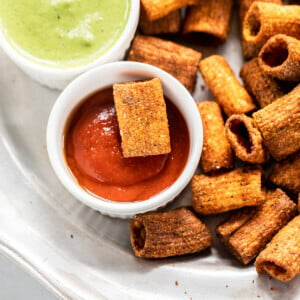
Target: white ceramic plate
(78, 253)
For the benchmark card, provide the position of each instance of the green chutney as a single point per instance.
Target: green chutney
(63, 33)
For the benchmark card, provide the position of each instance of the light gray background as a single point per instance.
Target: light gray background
(18, 285)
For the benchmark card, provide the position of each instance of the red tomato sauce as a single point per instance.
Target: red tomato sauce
(94, 155)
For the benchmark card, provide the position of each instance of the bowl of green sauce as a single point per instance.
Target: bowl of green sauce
(54, 41)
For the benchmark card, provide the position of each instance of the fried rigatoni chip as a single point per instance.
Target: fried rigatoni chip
(281, 257)
(156, 9)
(286, 174)
(263, 20)
(280, 57)
(245, 4)
(168, 24)
(220, 79)
(235, 221)
(279, 124)
(245, 139)
(142, 117)
(248, 240)
(209, 17)
(179, 61)
(264, 88)
(228, 191)
(164, 234)
(216, 154)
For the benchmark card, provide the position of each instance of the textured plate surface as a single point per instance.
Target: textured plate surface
(80, 254)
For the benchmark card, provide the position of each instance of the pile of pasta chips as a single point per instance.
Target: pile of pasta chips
(255, 122)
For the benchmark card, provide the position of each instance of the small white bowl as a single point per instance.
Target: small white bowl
(58, 78)
(102, 77)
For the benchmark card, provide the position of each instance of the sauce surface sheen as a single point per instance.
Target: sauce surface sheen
(93, 153)
(63, 33)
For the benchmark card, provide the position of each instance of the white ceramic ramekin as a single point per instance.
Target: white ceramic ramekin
(103, 77)
(58, 78)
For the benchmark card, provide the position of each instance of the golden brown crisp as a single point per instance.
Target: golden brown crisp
(243, 8)
(279, 124)
(168, 24)
(263, 20)
(235, 221)
(221, 80)
(264, 88)
(179, 61)
(177, 232)
(248, 240)
(227, 191)
(245, 139)
(156, 9)
(287, 174)
(280, 57)
(209, 17)
(281, 258)
(216, 154)
(142, 117)
(245, 4)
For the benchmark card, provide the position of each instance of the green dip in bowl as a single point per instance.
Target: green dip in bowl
(63, 33)
(54, 41)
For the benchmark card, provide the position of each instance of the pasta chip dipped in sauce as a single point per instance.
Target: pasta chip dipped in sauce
(142, 118)
(94, 154)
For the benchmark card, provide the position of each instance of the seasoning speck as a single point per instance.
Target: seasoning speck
(71, 236)
(176, 283)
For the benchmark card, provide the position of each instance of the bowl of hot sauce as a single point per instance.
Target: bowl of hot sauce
(84, 143)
